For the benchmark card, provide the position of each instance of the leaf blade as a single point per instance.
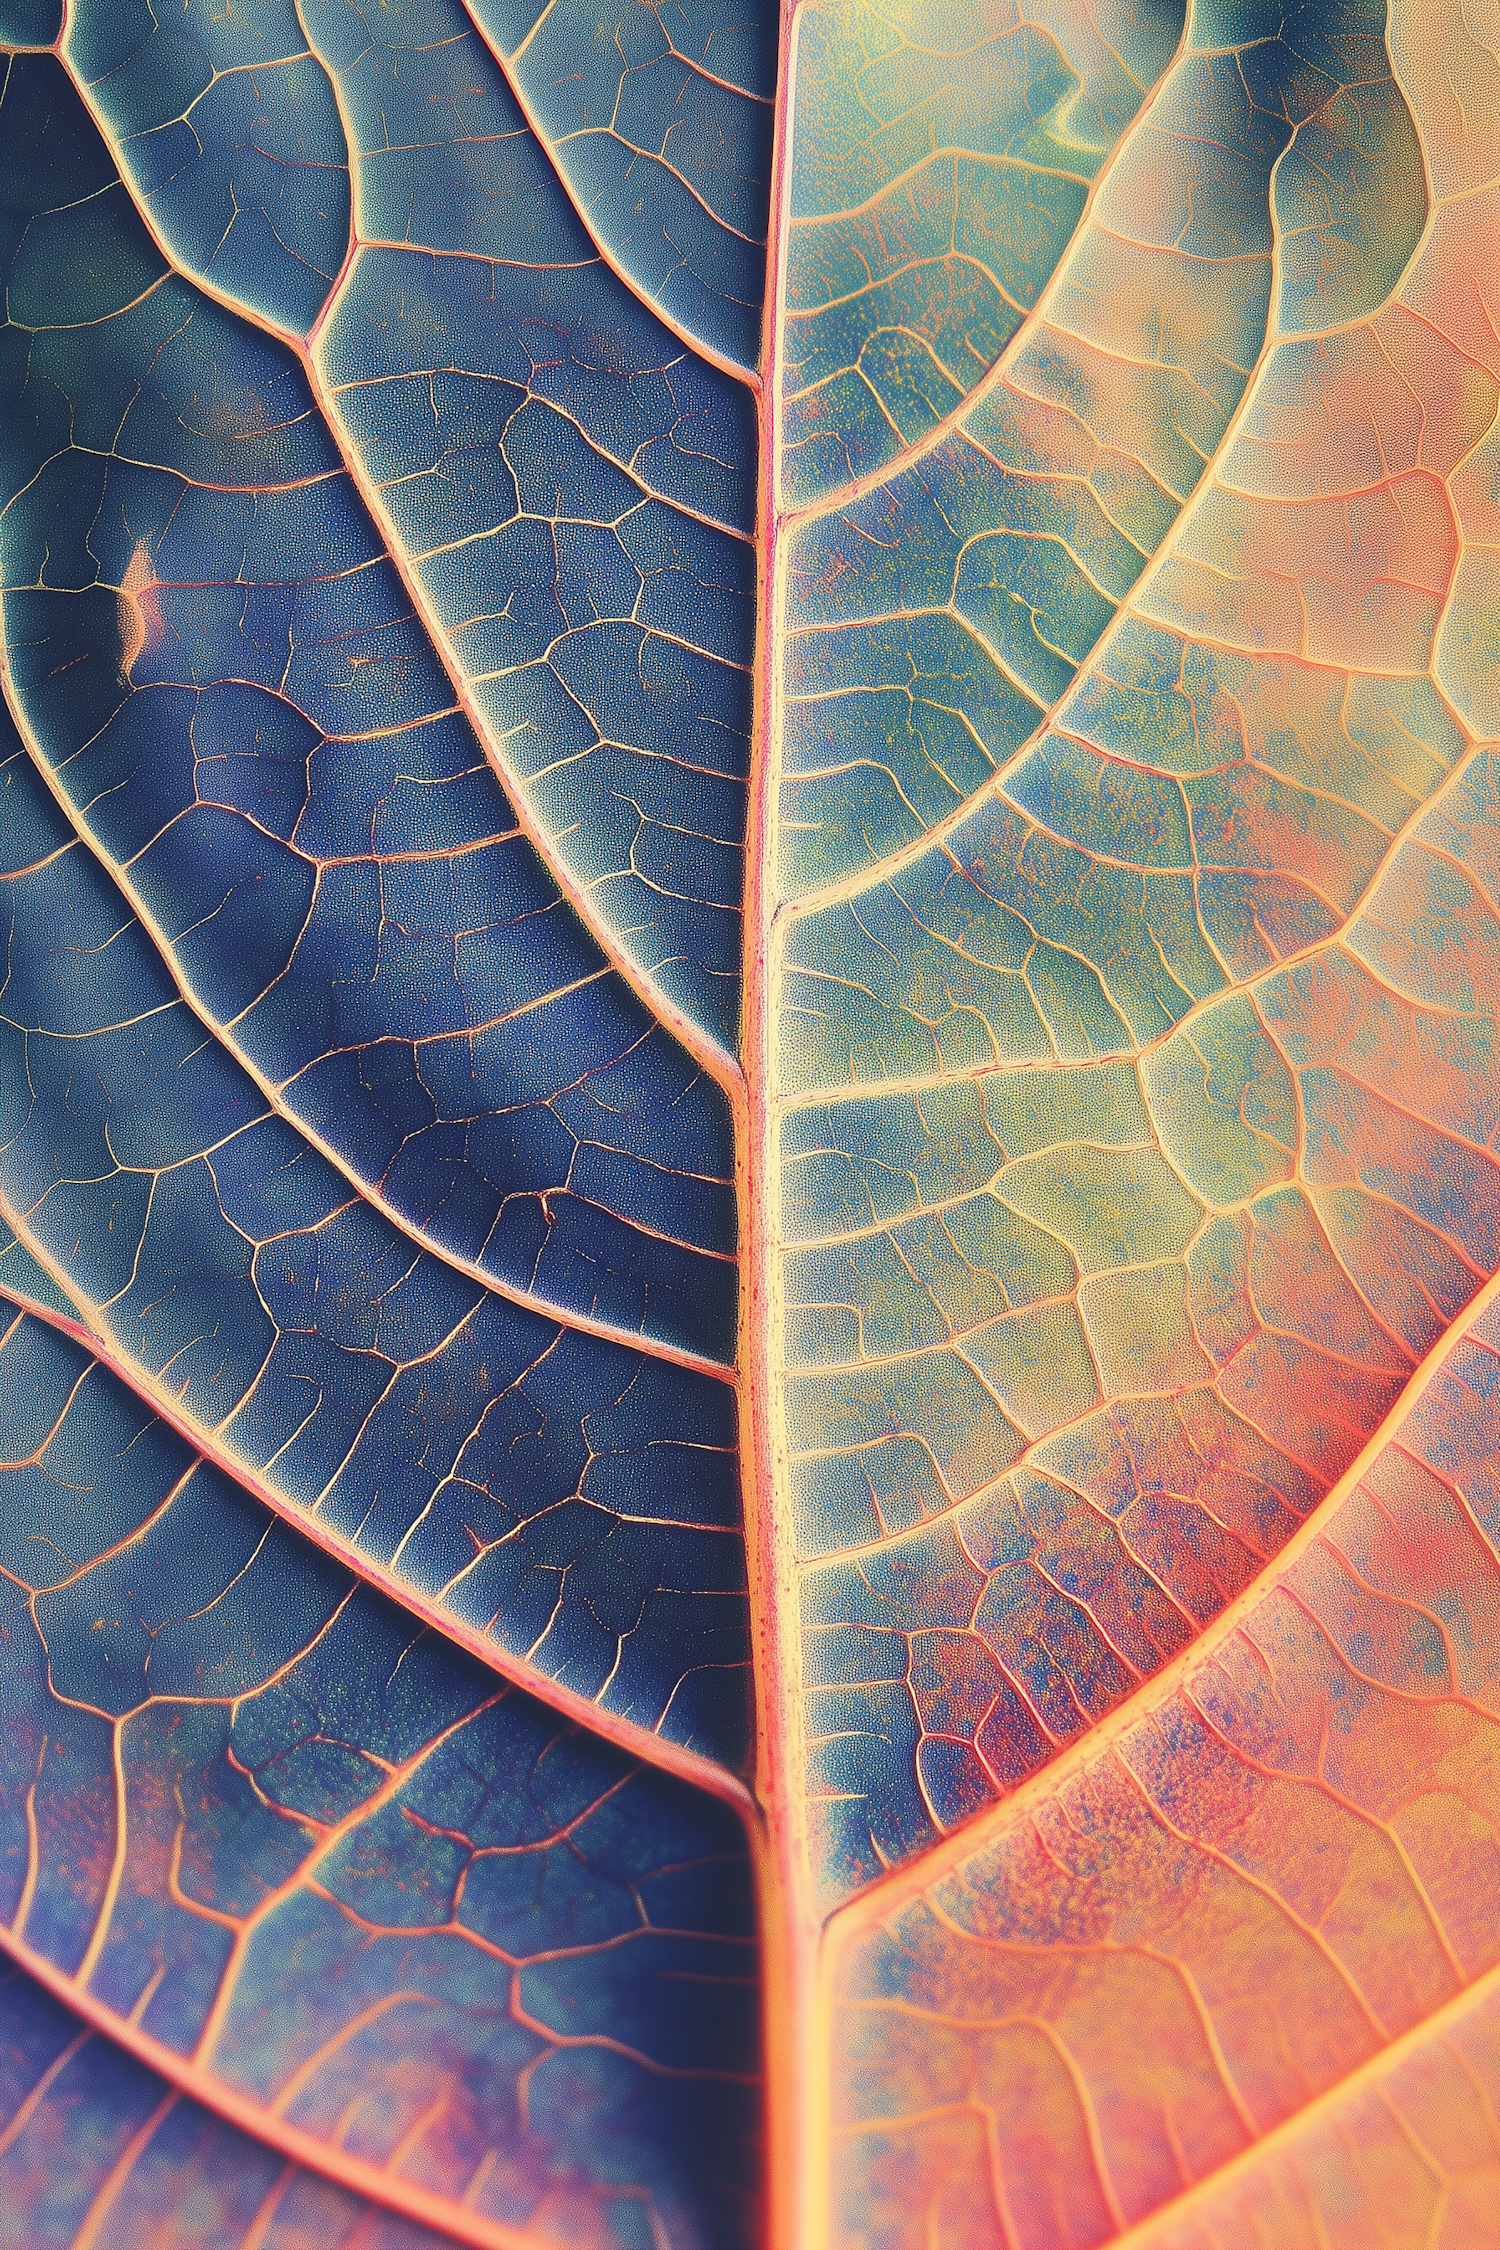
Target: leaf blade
(1273, 1983)
(283, 787)
(71, 2103)
(229, 1264)
(1037, 1081)
(234, 1807)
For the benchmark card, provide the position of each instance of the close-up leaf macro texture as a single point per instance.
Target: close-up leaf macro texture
(750, 1125)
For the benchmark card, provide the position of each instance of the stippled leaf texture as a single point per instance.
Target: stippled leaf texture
(749, 1229)
(1128, 1116)
(379, 618)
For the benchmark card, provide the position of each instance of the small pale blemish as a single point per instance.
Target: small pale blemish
(139, 610)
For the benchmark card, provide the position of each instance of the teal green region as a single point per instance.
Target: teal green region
(1013, 537)
(279, 776)
(659, 122)
(394, 1877)
(938, 171)
(569, 1499)
(1074, 1343)
(888, 727)
(227, 131)
(1140, 1126)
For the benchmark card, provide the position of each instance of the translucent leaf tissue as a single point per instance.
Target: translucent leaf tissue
(750, 1125)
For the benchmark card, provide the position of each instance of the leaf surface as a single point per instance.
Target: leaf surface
(310, 1337)
(91, 2138)
(747, 1188)
(258, 1813)
(1086, 1097)
(1271, 1871)
(254, 734)
(1132, 1139)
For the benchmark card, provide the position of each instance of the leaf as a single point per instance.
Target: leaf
(1271, 1871)
(332, 1870)
(91, 2138)
(1130, 1125)
(279, 778)
(1134, 1151)
(747, 843)
(379, 1261)
(592, 589)
(545, 1492)
(1095, 1275)
(660, 126)
(933, 187)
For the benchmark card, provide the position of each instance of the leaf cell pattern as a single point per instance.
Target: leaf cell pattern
(1275, 1871)
(90, 2139)
(259, 1814)
(549, 1493)
(1112, 1221)
(573, 492)
(227, 131)
(222, 672)
(939, 167)
(300, 1414)
(659, 121)
(1407, 2154)
(748, 880)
